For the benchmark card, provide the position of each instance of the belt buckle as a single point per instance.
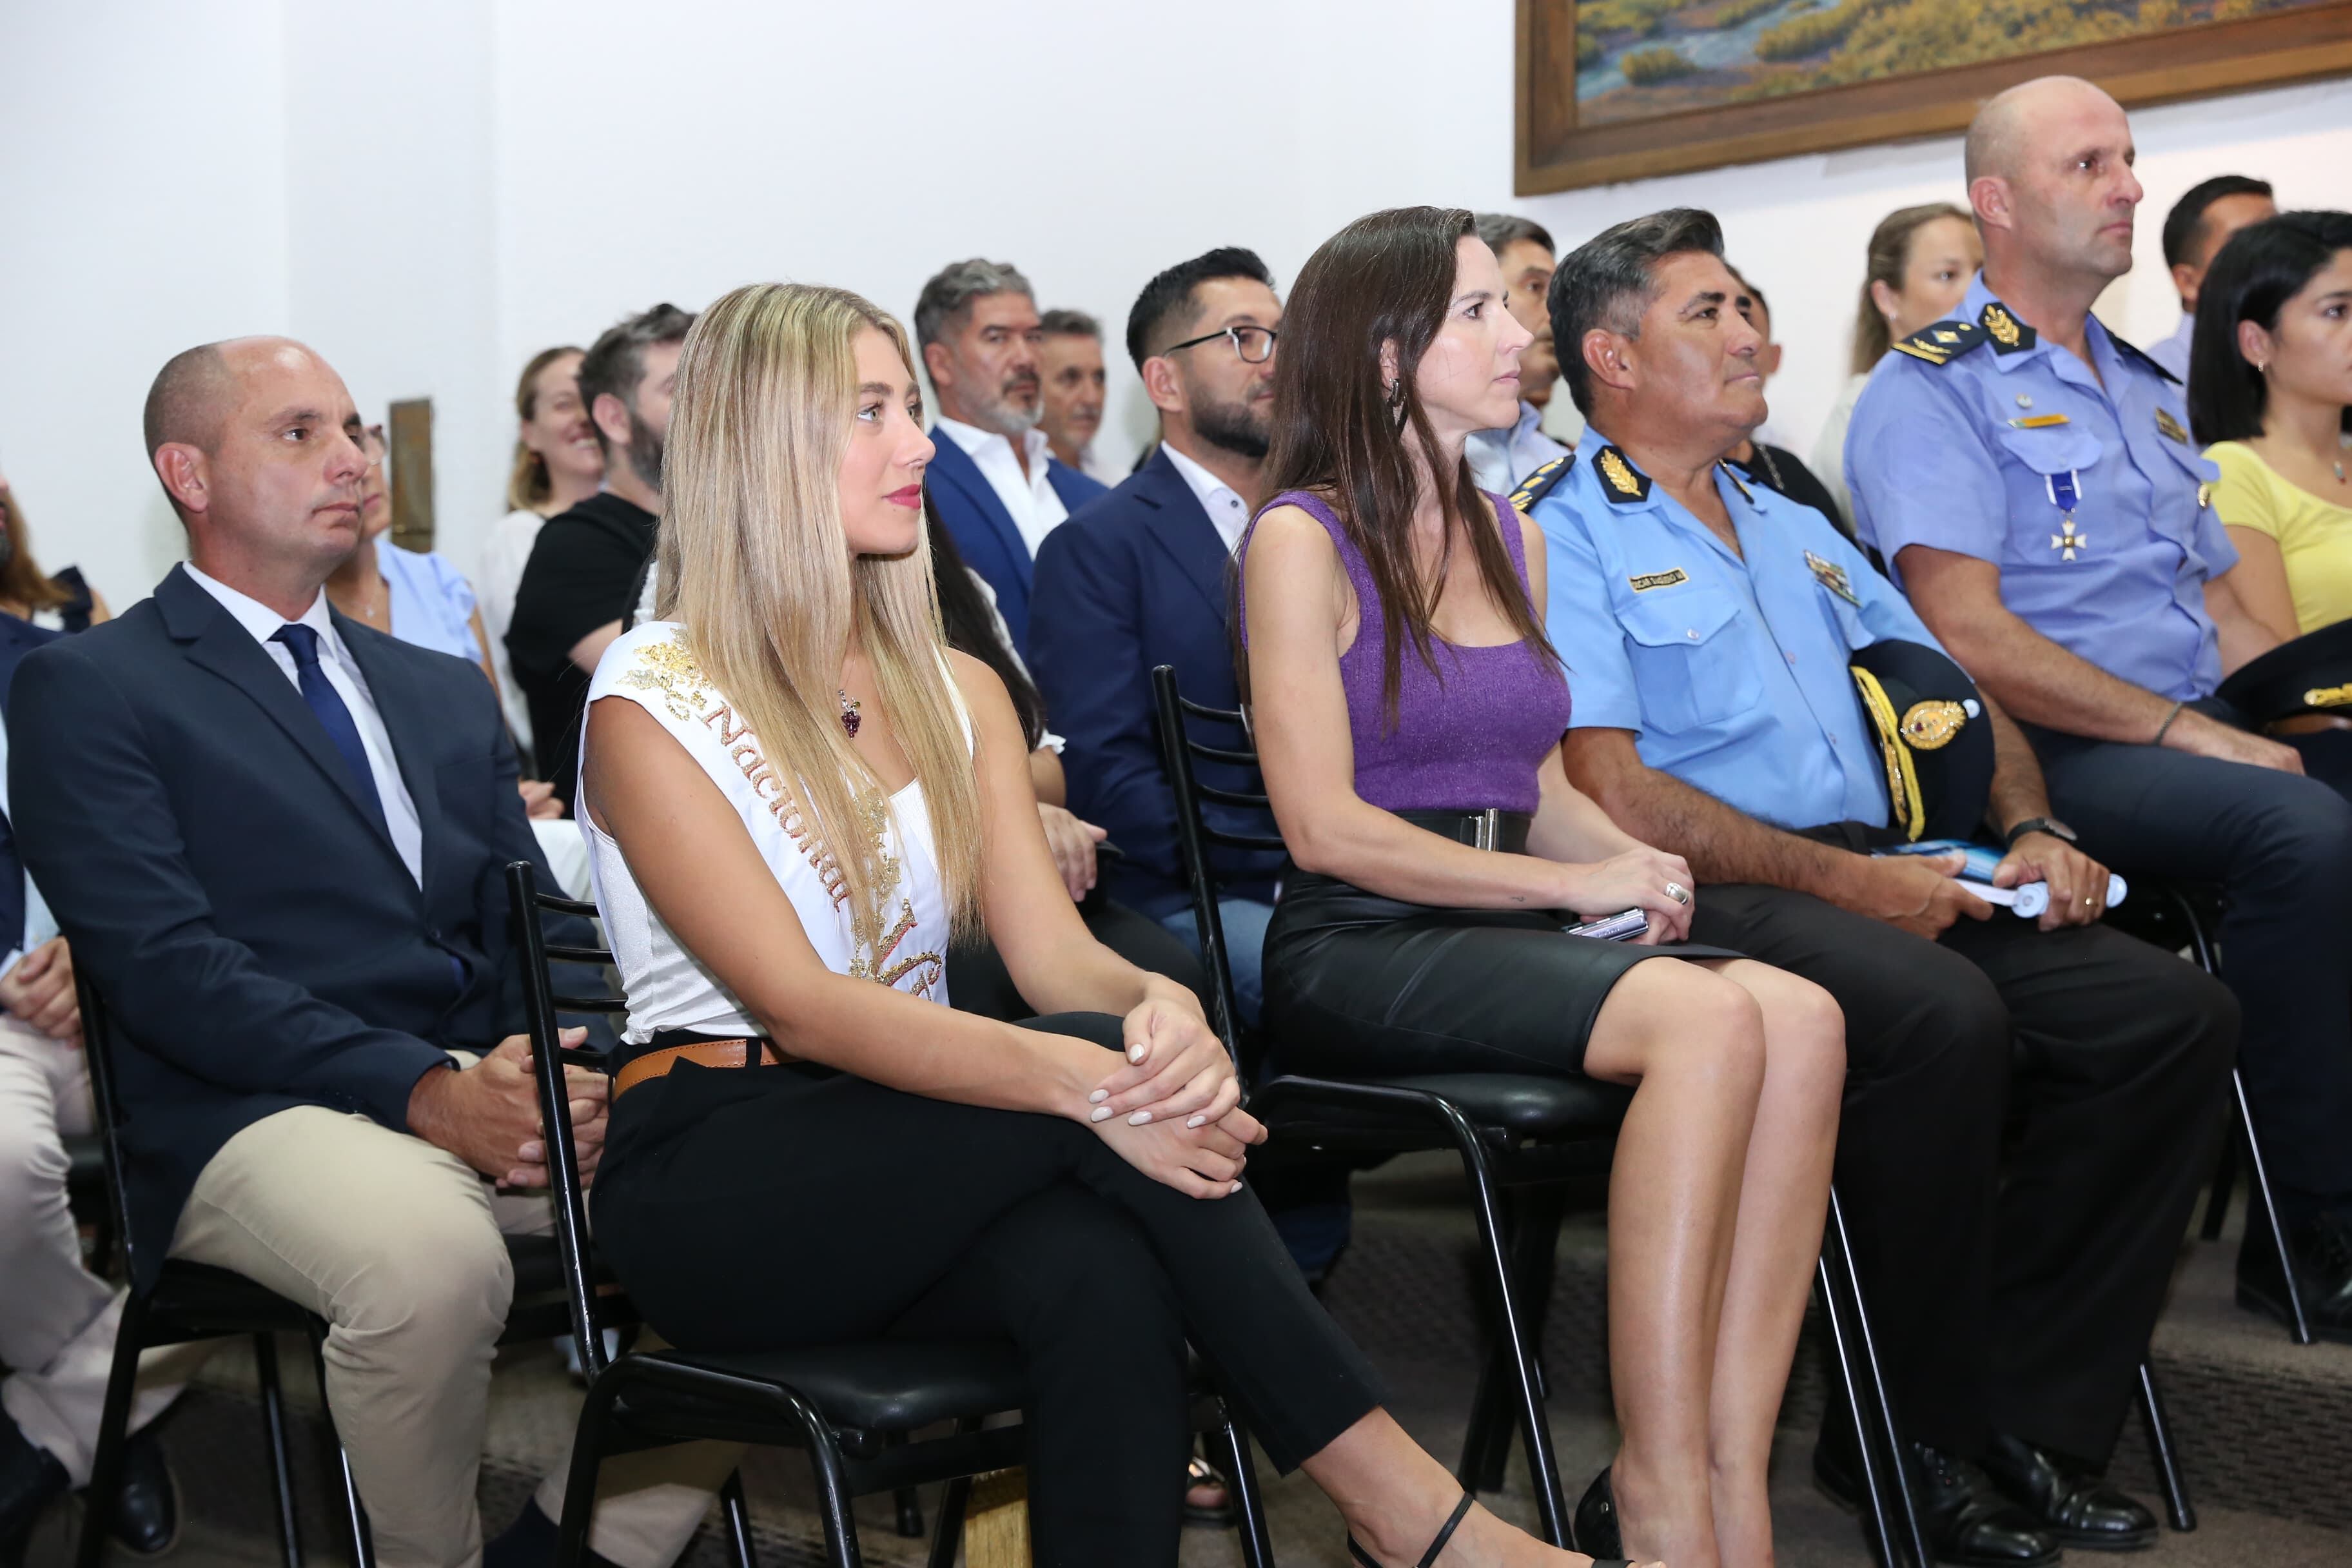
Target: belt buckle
(1488, 829)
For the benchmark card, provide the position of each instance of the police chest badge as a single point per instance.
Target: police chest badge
(1832, 576)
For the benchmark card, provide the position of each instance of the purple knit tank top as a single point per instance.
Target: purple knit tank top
(1474, 740)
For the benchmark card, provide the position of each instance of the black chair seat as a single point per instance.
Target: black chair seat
(86, 1166)
(199, 1301)
(1505, 1108)
(878, 1385)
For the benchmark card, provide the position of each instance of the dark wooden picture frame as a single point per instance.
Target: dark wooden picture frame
(1554, 154)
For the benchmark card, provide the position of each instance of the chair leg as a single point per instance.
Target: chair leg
(588, 1438)
(2258, 1193)
(113, 1428)
(738, 1521)
(2225, 1181)
(1841, 1356)
(1510, 1331)
(281, 1460)
(832, 1493)
(909, 1501)
(948, 1540)
(355, 1519)
(1533, 1216)
(2160, 1450)
(1914, 1532)
(1232, 1446)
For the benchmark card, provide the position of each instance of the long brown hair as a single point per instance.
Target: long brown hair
(753, 562)
(528, 484)
(1384, 278)
(22, 581)
(1890, 256)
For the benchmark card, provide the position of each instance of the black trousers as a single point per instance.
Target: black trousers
(786, 1205)
(2013, 1294)
(2281, 847)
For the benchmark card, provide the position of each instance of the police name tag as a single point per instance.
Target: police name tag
(1648, 581)
(1832, 576)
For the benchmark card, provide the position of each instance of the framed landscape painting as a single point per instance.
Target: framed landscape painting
(1623, 90)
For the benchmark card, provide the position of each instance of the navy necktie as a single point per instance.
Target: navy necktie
(302, 642)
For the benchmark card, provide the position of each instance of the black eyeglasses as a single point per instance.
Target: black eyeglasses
(1253, 344)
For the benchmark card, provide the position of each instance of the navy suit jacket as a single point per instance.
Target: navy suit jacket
(984, 531)
(1137, 579)
(258, 939)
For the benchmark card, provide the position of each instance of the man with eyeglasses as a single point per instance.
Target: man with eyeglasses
(998, 487)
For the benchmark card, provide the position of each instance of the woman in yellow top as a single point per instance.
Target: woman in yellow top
(2270, 383)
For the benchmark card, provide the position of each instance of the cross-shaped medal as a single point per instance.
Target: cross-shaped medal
(2066, 494)
(2066, 540)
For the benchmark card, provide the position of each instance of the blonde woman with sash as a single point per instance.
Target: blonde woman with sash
(794, 795)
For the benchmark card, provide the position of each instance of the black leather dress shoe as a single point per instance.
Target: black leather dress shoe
(2070, 1505)
(1965, 1523)
(2323, 1252)
(146, 1514)
(30, 1480)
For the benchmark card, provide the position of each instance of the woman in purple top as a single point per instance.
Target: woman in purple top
(1409, 712)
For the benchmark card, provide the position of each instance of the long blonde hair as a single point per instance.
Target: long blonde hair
(528, 484)
(753, 562)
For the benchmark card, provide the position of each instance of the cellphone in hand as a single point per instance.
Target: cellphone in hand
(1614, 928)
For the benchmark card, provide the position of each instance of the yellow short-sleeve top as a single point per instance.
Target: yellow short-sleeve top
(2315, 536)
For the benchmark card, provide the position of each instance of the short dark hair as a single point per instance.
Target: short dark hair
(2263, 265)
(2184, 225)
(949, 295)
(1173, 293)
(1060, 322)
(1610, 280)
(616, 362)
(1500, 230)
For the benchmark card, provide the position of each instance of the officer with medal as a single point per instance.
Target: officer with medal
(1727, 650)
(2028, 477)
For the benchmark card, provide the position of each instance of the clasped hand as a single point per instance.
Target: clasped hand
(2078, 884)
(1638, 878)
(487, 1114)
(1173, 1110)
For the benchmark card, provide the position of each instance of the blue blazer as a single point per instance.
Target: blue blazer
(255, 935)
(984, 531)
(1136, 579)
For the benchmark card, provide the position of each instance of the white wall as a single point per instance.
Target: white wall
(435, 193)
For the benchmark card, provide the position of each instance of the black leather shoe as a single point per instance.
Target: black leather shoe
(1965, 1523)
(30, 1480)
(1595, 1530)
(146, 1514)
(2072, 1507)
(2323, 1253)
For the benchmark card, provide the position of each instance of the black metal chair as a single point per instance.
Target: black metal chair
(853, 1408)
(1522, 1140)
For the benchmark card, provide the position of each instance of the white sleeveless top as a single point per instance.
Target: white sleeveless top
(667, 987)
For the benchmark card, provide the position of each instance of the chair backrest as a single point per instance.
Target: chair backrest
(525, 906)
(1194, 832)
(97, 1054)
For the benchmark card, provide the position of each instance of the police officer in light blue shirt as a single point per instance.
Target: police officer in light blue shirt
(2029, 478)
(1707, 627)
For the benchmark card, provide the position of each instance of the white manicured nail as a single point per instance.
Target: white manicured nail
(1135, 1052)
(1196, 1122)
(1098, 1097)
(1139, 1118)
(1102, 1113)
(1234, 1188)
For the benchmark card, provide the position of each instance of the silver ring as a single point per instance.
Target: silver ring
(1677, 892)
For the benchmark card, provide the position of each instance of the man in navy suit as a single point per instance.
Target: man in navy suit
(1141, 578)
(998, 487)
(276, 840)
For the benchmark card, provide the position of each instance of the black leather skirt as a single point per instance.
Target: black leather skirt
(1360, 985)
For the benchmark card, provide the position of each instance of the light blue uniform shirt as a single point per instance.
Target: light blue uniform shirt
(1500, 460)
(1731, 667)
(1950, 455)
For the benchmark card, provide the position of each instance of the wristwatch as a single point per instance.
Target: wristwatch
(2050, 824)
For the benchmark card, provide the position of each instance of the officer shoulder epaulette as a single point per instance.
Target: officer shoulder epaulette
(1942, 342)
(2134, 352)
(1621, 482)
(1539, 484)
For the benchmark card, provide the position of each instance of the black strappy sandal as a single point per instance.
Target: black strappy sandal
(1452, 1523)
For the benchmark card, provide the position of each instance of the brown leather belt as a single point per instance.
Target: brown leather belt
(702, 1053)
(2307, 724)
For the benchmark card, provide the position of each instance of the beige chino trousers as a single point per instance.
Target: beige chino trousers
(396, 1244)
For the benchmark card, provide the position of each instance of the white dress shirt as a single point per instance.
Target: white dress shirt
(342, 673)
(1227, 511)
(1036, 511)
(1500, 460)
(39, 924)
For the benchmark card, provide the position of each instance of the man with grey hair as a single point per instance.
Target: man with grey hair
(2030, 477)
(997, 485)
(1710, 626)
(1499, 460)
